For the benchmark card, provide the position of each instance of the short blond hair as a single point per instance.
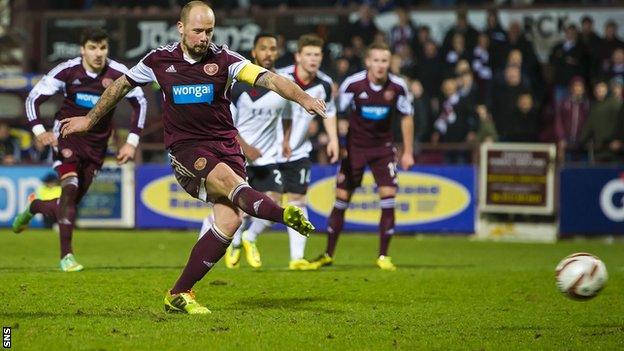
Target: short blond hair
(309, 40)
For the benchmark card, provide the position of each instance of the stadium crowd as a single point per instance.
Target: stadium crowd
(480, 85)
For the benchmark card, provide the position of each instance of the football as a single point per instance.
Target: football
(581, 276)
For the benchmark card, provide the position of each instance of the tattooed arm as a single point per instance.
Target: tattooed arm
(111, 96)
(291, 91)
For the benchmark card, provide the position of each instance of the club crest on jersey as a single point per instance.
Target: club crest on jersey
(375, 112)
(389, 95)
(193, 94)
(211, 69)
(67, 153)
(106, 82)
(200, 163)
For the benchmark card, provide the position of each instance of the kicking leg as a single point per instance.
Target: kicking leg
(222, 180)
(249, 236)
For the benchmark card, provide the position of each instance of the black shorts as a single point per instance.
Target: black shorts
(265, 178)
(296, 175)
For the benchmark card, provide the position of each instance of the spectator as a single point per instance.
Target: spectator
(422, 113)
(429, 72)
(518, 41)
(570, 117)
(423, 37)
(609, 43)
(600, 130)
(364, 27)
(487, 130)
(505, 97)
(9, 146)
(403, 34)
(568, 60)
(342, 69)
(463, 27)
(467, 88)
(494, 32)
(616, 85)
(457, 52)
(456, 123)
(483, 69)
(591, 42)
(615, 66)
(524, 121)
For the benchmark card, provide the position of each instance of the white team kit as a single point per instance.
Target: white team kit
(296, 169)
(258, 114)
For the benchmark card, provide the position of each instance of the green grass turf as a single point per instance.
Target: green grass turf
(449, 293)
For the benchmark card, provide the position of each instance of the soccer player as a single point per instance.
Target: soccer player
(256, 112)
(374, 97)
(194, 76)
(78, 158)
(295, 165)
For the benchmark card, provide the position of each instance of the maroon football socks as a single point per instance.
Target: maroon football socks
(335, 224)
(256, 204)
(48, 208)
(386, 224)
(67, 213)
(206, 253)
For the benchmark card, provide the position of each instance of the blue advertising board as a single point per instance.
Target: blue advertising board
(592, 201)
(430, 199)
(162, 203)
(16, 183)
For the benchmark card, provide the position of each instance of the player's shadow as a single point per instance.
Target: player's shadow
(288, 303)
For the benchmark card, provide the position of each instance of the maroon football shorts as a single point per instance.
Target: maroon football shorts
(191, 163)
(382, 162)
(74, 154)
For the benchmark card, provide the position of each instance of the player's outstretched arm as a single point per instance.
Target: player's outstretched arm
(111, 96)
(291, 91)
(407, 131)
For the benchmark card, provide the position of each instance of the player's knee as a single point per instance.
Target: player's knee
(387, 191)
(222, 179)
(296, 199)
(342, 194)
(228, 225)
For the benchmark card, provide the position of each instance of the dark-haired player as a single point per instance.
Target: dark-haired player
(82, 81)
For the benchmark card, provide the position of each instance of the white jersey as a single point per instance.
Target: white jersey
(321, 88)
(257, 112)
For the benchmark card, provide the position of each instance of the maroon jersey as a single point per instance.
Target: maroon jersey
(82, 90)
(372, 108)
(196, 94)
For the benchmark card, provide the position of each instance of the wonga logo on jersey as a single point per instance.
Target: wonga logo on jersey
(421, 198)
(613, 209)
(375, 112)
(86, 100)
(167, 198)
(193, 94)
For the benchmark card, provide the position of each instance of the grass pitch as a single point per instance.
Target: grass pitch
(449, 293)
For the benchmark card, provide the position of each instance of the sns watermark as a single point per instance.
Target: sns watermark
(6, 337)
